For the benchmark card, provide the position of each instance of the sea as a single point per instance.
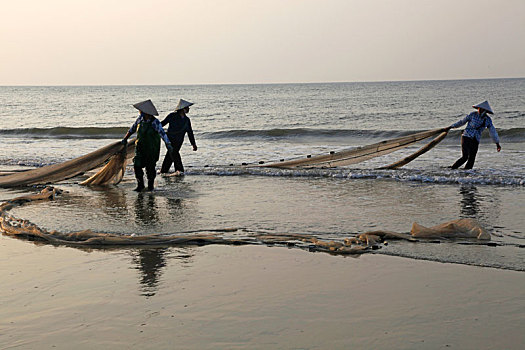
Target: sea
(238, 127)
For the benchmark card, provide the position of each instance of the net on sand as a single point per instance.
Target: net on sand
(354, 244)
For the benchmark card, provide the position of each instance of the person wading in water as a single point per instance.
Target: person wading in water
(179, 125)
(477, 122)
(147, 150)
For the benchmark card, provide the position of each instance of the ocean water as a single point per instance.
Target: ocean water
(236, 124)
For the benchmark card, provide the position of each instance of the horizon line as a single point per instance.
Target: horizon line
(266, 83)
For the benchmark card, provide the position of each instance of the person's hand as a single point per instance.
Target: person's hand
(124, 141)
(498, 147)
(447, 129)
(194, 147)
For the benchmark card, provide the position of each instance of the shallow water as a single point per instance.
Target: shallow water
(326, 207)
(237, 124)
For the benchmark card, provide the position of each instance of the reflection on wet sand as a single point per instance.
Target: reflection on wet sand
(477, 204)
(148, 261)
(146, 210)
(469, 201)
(151, 261)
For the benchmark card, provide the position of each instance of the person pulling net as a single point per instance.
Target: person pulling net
(116, 156)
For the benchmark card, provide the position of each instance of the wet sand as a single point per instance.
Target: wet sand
(250, 297)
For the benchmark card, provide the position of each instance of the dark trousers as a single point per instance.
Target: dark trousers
(150, 173)
(469, 149)
(166, 164)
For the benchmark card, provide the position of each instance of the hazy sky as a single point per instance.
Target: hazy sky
(98, 42)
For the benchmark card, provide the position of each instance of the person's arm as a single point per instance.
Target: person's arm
(461, 122)
(131, 130)
(191, 136)
(166, 120)
(494, 135)
(158, 128)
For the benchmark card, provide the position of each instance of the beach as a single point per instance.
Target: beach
(250, 297)
(425, 294)
(318, 175)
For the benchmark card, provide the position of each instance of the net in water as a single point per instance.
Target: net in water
(354, 244)
(116, 156)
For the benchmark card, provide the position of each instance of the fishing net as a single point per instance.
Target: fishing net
(361, 154)
(113, 172)
(356, 244)
(464, 228)
(109, 164)
(116, 156)
(74, 167)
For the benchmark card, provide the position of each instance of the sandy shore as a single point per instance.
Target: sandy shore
(250, 297)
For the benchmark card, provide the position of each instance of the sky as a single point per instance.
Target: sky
(174, 42)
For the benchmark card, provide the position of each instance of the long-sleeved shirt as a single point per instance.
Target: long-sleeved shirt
(178, 127)
(155, 123)
(476, 124)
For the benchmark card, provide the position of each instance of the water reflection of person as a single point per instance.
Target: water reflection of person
(469, 201)
(146, 213)
(149, 261)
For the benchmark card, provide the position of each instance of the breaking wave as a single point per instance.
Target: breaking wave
(435, 176)
(67, 133)
(507, 135)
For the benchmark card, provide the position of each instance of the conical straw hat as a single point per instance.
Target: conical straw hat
(146, 107)
(183, 104)
(485, 105)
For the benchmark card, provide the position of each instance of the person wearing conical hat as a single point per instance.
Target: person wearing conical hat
(147, 150)
(179, 125)
(476, 122)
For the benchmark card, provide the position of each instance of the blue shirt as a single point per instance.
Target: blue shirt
(476, 124)
(156, 126)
